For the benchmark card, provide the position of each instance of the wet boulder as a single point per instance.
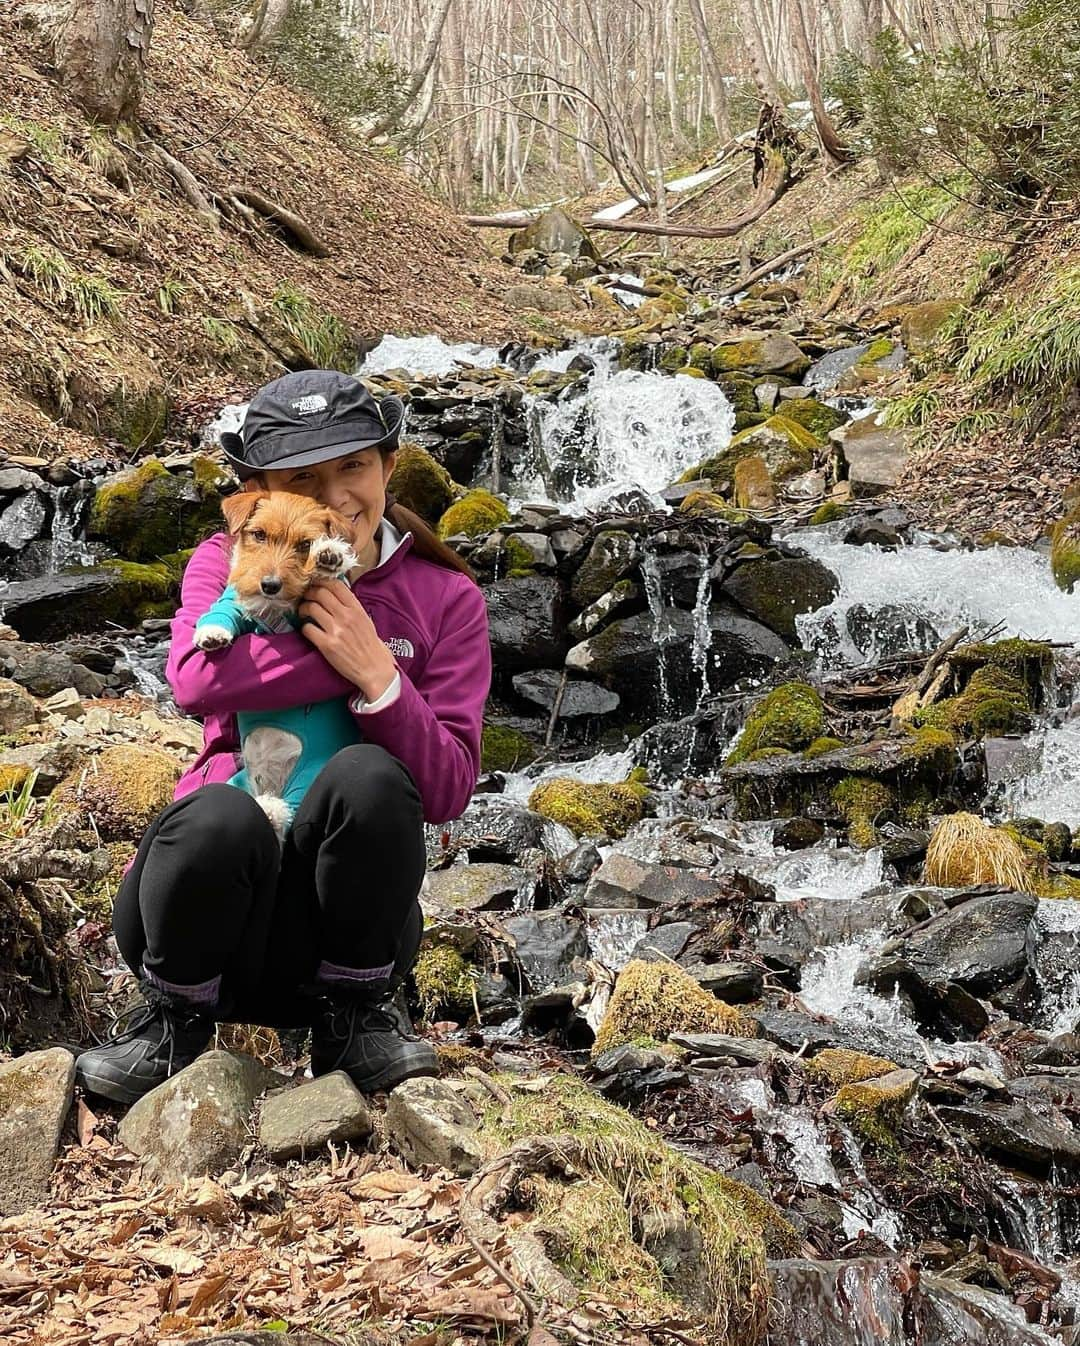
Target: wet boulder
(148, 512)
(981, 945)
(525, 622)
(1035, 1141)
(53, 606)
(479, 887)
(579, 697)
(776, 591)
(759, 353)
(611, 555)
(502, 830)
(622, 881)
(872, 457)
(549, 947)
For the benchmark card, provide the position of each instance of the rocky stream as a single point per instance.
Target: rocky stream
(774, 844)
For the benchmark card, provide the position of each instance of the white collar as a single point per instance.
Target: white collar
(390, 539)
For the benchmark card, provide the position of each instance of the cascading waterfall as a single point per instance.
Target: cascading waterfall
(663, 631)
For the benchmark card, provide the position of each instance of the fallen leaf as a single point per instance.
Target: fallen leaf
(208, 1291)
(380, 1186)
(540, 1336)
(173, 1259)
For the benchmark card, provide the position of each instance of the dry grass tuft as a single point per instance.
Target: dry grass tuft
(964, 851)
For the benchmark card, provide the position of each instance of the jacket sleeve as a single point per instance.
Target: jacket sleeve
(435, 723)
(254, 672)
(228, 614)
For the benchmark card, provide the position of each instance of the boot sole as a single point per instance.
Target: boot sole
(116, 1088)
(388, 1080)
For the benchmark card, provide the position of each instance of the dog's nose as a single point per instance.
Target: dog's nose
(270, 585)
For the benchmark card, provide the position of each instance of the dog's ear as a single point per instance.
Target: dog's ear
(336, 525)
(239, 508)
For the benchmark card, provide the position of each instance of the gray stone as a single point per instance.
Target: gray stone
(579, 697)
(428, 1122)
(797, 393)
(539, 549)
(566, 541)
(22, 521)
(198, 1121)
(775, 592)
(873, 456)
(35, 1095)
(16, 481)
(775, 353)
(766, 394)
(622, 881)
(17, 707)
(477, 887)
(1006, 1127)
(540, 297)
(301, 1120)
(549, 946)
(45, 672)
(664, 942)
(66, 703)
(51, 761)
(553, 231)
(623, 596)
(745, 1051)
(735, 983)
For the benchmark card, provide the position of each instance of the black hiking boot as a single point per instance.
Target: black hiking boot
(369, 1036)
(164, 1034)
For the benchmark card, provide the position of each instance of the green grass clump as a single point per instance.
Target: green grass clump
(223, 335)
(323, 338)
(171, 294)
(792, 716)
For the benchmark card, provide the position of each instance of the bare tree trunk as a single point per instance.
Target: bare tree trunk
(760, 65)
(266, 24)
(837, 152)
(101, 55)
(717, 92)
(392, 119)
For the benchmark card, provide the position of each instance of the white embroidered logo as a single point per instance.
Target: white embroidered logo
(400, 646)
(311, 402)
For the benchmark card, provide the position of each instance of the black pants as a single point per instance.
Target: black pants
(216, 910)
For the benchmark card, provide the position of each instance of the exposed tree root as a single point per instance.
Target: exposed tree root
(187, 182)
(295, 228)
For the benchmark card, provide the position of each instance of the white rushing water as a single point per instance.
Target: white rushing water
(828, 871)
(1052, 790)
(627, 430)
(426, 355)
(891, 601)
(604, 766)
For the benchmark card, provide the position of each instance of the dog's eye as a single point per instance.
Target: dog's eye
(257, 535)
(303, 548)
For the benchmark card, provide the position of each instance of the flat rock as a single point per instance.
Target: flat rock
(579, 697)
(17, 707)
(303, 1119)
(1035, 1142)
(35, 1095)
(198, 1121)
(735, 983)
(622, 881)
(483, 886)
(746, 1051)
(874, 456)
(548, 945)
(428, 1122)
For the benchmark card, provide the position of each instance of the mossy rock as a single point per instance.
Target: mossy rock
(872, 1108)
(746, 420)
(122, 790)
(138, 419)
(754, 486)
(690, 372)
(590, 809)
(993, 702)
(921, 324)
(815, 417)
(791, 717)
(673, 357)
(147, 512)
(760, 353)
(821, 746)
(699, 356)
(1065, 551)
(477, 512)
(421, 484)
(828, 512)
(505, 749)
(862, 802)
(658, 999)
(443, 981)
(838, 1066)
(611, 555)
(711, 504)
(785, 445)
(739, 391)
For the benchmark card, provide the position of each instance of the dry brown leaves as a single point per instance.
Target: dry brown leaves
(335, 1244)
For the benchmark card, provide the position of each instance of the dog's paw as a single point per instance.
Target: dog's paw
(332, 555)
(278, 812)
(210, 637)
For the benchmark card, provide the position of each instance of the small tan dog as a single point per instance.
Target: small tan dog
(282, 543)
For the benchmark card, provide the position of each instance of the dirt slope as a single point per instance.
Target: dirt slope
(118, 300)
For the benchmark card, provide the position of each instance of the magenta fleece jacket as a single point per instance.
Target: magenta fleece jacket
(434, 621)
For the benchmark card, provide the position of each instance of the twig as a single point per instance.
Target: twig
(782, 259)
(470, 1215)
(555, 711)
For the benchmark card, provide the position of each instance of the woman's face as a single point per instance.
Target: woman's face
(354, 485)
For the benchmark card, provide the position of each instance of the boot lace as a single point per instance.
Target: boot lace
(348, 1017)
(149, 1006)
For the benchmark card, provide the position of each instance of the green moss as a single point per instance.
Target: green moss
(137, 419)
(147, 512)
(1065, 551)
(814, 417)
(762, 754)
(519, 558)
(674, 357)
(443, 981)
(993, 702)
(421, 484)
(699, 355)
(590, 809)
(708, 502)
(821, 746)
(505, 749)
(658, 999)
(861, 801)
(739, 391)
(792, 716)
(828, 512)
(873, 1107)
(475, 513)
(623, 1175)
(926, 743)
(838, 1066)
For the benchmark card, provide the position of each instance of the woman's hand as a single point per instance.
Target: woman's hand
(337, 624)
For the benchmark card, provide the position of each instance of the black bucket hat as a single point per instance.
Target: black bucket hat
(308, 417)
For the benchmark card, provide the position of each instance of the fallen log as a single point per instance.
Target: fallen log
(774, 182)
(782, 259)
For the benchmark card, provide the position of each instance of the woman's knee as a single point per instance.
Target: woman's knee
(365, 775)
(219, 822)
